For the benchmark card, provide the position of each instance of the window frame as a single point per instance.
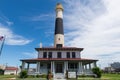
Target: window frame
(67, 54)
(59, 55)
(49, 54)
(44, 54)
(73, 55)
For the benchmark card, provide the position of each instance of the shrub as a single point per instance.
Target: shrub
(41, 76)
(23, 74)
(66, 74)
(30, 76)
(97, 71)
(1, 72)
(11, 73)
(83, 75)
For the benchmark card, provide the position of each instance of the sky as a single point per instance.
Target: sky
(90, 24)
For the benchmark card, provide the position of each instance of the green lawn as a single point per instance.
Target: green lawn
(104, 77)
(111, 76)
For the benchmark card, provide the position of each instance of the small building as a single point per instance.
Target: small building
(11, 70)
(59, 59)
(116, 66)
(2, 67)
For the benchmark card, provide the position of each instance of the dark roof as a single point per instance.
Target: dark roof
(58, 59)
(59, 49)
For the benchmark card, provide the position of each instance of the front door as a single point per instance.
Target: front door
(59, 68)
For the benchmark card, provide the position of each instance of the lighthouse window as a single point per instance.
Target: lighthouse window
(59, 45)
(44, 54)
(73, 54)
(59, 55)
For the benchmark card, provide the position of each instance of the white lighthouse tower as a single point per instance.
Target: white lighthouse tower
(59, 33)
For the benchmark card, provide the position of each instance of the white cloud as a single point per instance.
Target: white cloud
(93, 25)
(11, 37)
(41, 17)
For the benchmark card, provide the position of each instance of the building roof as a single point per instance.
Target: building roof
(11, 68)
(59, 59)
(59, 49)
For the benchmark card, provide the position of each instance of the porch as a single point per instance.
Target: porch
(60, 66)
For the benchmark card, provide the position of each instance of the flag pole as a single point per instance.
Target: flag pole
(2, 45)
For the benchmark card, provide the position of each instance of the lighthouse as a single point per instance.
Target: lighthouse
(59, 59)
(59, 33)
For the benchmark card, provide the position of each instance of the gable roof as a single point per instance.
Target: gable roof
(11, 68)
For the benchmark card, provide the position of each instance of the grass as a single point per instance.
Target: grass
(111, 76)
(104, 77)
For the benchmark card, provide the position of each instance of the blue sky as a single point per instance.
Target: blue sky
(90, 24)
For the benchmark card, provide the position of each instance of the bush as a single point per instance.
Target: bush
(44, 76)
(11, 73)
(31, 76)
(1, 72)
(66, 75)
(83, 75)
(23, 74)
(97, 71)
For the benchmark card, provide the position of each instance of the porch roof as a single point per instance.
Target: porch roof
(86, 61)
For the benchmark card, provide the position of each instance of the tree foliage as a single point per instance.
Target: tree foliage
(97, 71)
(23, 74)
(1, 72)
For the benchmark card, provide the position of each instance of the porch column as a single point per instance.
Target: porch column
(51, 66)
(90, 68)
(53, 63)
(38, 67)
(65, 67)
(80, 67)
(23, 65)
(94, 64)
(28, 67)
(85, 68)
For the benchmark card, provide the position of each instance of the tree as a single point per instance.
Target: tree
(1, 72)
(97, 71)
(23, 74)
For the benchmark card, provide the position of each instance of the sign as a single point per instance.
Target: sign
(71, 74)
